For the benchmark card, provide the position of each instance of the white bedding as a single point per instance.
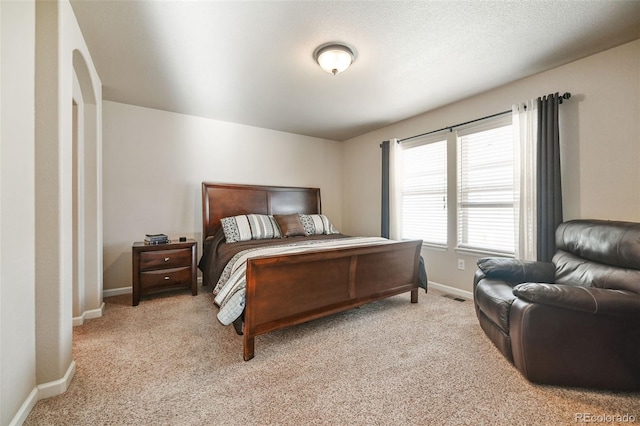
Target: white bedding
(231, 287)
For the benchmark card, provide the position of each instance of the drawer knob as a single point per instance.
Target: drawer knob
(166, 259)
(166, 278)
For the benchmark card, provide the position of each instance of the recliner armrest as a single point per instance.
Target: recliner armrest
(584, 299)
(517, 271)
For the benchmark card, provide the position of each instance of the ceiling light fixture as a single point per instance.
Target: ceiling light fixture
(334, 57)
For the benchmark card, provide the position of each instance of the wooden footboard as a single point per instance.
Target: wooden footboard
(292, 289)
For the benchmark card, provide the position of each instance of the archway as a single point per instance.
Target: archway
(87, 234)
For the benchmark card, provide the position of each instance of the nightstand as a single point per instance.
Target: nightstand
(159, 267)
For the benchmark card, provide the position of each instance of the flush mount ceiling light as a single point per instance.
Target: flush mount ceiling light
(334, 57)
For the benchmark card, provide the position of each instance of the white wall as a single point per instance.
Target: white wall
(155, 161)
(40, 45)
(600, 156)
(17, 234)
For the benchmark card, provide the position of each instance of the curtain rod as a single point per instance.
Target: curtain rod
(566, 95)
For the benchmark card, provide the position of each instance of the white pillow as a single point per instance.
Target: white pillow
(317, 224)
(250, 227)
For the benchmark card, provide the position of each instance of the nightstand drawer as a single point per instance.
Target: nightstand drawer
(165, 278)
(164, 259)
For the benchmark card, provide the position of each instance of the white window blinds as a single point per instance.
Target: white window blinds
(485, 188)
(424, 191)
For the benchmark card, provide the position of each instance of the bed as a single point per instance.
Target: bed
(283, 285)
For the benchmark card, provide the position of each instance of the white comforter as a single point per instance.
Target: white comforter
(231, 287)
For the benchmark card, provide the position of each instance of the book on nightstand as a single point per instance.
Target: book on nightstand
(156, 239)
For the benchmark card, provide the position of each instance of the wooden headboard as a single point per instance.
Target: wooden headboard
(224, 199)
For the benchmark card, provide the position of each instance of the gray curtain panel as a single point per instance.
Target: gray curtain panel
(549, 185)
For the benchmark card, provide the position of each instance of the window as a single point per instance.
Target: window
(486, 188)
(424, 191)
(481, 175)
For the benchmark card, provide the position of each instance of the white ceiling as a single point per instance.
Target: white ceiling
(252, 62)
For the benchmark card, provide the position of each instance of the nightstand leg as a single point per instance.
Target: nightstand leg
(135, 281)
(194, 270)
(135, 299)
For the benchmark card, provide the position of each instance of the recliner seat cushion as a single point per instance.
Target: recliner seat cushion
(494, 298)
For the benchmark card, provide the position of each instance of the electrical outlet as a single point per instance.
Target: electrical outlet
(461, 264)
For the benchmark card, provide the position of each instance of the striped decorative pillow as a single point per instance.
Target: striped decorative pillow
(250, 227)
(317, 224)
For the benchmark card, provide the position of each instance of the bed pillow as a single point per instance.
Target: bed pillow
(290, 225)
(250, 227)
(317, 224)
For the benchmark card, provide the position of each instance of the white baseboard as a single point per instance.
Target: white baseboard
(25, 409)
(451, 290)
(57, 387)
(116, 291)
(94, 313)
(45, 390)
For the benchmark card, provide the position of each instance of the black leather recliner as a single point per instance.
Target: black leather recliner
(574, 321)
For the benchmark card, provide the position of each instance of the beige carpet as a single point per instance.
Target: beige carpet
(169, 362)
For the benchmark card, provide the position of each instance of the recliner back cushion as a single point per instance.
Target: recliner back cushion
(609, 242)
(598, 253)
